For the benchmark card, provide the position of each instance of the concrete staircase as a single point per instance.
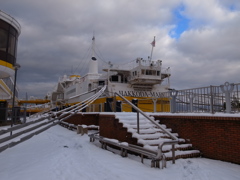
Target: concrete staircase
(150, 136)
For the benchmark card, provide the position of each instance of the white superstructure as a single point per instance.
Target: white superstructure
(137, 79)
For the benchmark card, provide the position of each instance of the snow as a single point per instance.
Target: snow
(217, 114)
(59, 153)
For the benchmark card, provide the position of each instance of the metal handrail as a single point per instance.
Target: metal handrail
(51, 120)
(85, 103)
(155, 156)
(146, 116)
(78, 107)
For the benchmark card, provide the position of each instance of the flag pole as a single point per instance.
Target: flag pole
(153, 45)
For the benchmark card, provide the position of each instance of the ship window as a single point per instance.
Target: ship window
(158, 73)
(101, 83)
(3, 40)
(114, 78)
(154, 73)
(143, 71)
(89, 87)
(148, 72)
(133, 73)
(11, 47)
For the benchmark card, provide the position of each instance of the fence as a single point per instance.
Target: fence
(211, 99)
(15, 115)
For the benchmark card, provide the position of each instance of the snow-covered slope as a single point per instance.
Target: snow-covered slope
(64, 155)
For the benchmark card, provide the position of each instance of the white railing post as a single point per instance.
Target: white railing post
(227, 88)
(173, 95)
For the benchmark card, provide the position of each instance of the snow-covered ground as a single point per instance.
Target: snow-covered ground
(64, 155)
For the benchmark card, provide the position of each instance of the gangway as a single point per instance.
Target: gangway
(33, 101)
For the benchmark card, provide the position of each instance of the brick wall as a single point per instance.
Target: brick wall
(87, 119)
(111, 128)
(216, 137)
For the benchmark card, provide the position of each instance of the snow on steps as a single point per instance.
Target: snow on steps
(150, 136)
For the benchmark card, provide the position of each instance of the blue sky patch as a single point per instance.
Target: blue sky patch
(181, 22)
(232, 7)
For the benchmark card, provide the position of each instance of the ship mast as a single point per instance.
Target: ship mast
(153, 45)
(93, 67)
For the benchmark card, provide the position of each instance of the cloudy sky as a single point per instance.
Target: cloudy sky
(199, 40)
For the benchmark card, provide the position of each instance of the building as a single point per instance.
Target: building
(10, 30)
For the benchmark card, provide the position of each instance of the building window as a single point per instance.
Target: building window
(3, 40)
(89, 87)
(11, 46)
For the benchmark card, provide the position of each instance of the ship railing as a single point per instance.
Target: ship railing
(135, 63)
(166, 70)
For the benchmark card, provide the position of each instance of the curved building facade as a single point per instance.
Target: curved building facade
(10, 30)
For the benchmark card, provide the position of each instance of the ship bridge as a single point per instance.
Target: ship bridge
(141, 74)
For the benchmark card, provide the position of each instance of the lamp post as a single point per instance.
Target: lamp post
(16, 67)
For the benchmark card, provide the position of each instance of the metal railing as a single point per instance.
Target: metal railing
(155, 156)
(211, 99)
(146, 116)
(46, 120)
(160, 146)
(12, 115)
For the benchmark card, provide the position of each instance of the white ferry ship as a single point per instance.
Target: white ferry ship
(140, 81)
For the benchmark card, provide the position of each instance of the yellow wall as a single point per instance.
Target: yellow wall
(145, 104)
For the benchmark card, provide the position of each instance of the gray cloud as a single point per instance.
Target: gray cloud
(56, 36)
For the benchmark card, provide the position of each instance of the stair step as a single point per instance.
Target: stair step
(154, 129)
(142, 126)
(141, 122)
(183, 154)
(146, 131)
(150, 136)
